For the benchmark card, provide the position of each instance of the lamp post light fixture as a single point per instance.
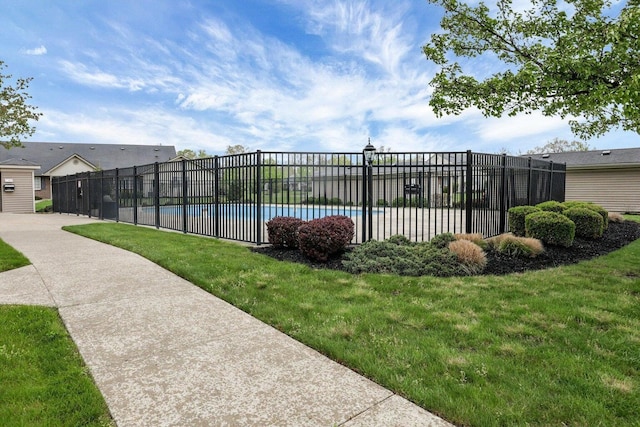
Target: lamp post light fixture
(369, 152)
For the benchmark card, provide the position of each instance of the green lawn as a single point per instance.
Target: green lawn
(42, 205)
(43, 381)
(555, 347)
(10, 258)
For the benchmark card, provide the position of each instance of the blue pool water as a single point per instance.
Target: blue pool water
(267, 211)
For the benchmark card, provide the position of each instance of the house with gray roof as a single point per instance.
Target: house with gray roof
(61, 158)
(610, 178)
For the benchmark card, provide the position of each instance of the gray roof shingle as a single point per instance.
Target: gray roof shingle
(17, 162)
(613, 157)
(103, 156)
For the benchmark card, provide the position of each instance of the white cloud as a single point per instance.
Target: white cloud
(146, 127)
(224, 84)
(402, 139)
(273, 95)
(81, 74)
(41, 50)
(356, 28)
(520, 126)
(139, 75)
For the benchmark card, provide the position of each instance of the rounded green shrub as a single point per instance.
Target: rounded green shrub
(439, 262)
(442, 240)
(596, 208)
(551, 206)
(551, 228)
(603, 213)
(516, 216)
(589, 224)
(399, 239)
(383, 257)
(421, 259)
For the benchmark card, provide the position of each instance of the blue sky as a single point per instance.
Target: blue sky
(292, 75)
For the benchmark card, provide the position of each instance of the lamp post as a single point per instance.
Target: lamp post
(369, 152)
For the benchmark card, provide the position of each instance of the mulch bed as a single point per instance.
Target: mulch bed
(616, 236)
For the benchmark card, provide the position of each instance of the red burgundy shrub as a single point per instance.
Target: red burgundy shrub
(283, 231)
(320, 238)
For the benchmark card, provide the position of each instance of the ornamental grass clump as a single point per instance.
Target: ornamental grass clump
(471, 256)
(321, 238)
(516, 216)
(588, 222)
(283, 231)
(551, 228)
(615, 217)
(516, 246)
(475, 238)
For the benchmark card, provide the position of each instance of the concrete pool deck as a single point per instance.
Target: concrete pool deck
(164, 352)
(416, 224)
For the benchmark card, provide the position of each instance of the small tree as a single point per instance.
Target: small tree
(190, 154)
(577, 58)
(236, 149)
(15, 113)
(557, 145)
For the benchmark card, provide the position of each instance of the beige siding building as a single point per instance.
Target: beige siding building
(610, 178)
(60, 159)
(16, 186)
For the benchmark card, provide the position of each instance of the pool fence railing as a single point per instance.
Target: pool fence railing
(232, 197)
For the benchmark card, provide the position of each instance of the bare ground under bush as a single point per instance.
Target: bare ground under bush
(617, 236)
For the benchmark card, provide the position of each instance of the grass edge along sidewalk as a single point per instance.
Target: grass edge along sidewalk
(552, 347)
(11, 258)
(43, 378)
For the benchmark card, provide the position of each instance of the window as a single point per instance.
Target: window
(37, 183)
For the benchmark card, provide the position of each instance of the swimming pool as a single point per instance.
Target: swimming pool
(267, 211)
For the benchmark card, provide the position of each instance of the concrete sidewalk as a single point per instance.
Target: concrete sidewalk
(164, 352)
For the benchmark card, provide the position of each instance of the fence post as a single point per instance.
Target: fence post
(529, 179)
(117, 195)
(86, 194)
(503, 194)
(550, 180)
(185, 199)
(258, 198)
(364, 198)
(468, 197)
(102, 195)
(135, 195)
(156, 192)
(216, 195)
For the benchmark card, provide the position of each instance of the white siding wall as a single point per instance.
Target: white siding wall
(71, 167)
(22, 199)
(616, 190)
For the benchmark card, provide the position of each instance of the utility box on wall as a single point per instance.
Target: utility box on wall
(17, 194)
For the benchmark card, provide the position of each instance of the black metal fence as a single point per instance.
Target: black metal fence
(417, 195)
